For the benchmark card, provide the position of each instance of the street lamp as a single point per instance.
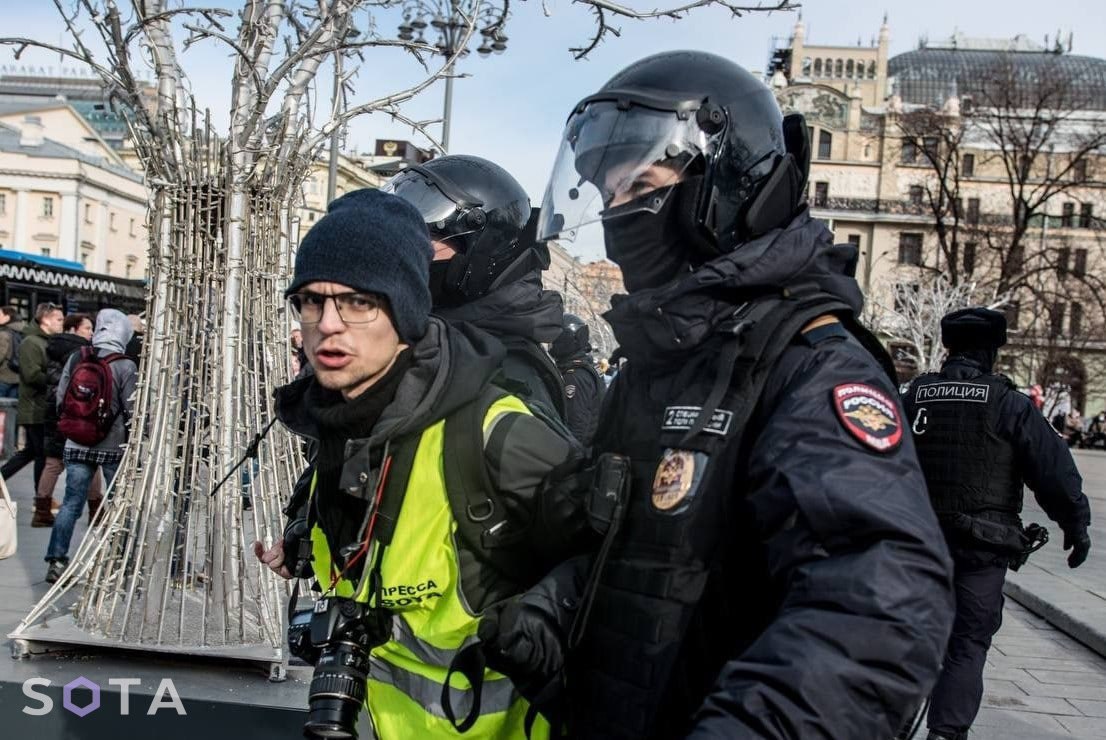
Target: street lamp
(449, 19)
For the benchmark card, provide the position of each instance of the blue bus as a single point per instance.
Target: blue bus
(27, 280)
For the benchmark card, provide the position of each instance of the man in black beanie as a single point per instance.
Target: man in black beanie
(979, 441)
(426, 505)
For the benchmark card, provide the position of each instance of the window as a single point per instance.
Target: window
(3, 204)
(969, 257)
(910, 249)
(86, 257)
(973, 211)
(871, 70)
(806, 67)
(1079, 269)
(931, 145)
(88, 213)
(1075, 323)
(821, 194)
(1056, 319)
(111, 222)
(45, 251)
(107, 266)
(917, 194)
(903, 293)
(967, 105)
(825, 144)
(1086, 215)
(1067, 220)
(817, 67)
(838, 68)
(47, 207)
(967, 165)
(1063, 257)
(131, 229)
(854, 239)
(849, 68)
(1079, 170)
(1012, 311)
(909, 151)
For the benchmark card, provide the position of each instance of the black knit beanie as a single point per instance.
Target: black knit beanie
(373, 242)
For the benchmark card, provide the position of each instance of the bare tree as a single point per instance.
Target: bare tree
(168, 563)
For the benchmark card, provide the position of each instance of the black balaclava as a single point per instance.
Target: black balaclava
(653, 248)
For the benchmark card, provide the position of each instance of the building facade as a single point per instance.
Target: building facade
(918, 160)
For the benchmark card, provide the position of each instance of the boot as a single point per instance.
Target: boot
(93, 508)
(43, 516)
(55, 570)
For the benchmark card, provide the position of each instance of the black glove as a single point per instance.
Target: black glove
(1079, 542)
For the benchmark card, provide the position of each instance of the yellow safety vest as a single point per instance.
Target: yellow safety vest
(432, 621)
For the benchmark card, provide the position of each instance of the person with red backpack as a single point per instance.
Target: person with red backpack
(95, 400)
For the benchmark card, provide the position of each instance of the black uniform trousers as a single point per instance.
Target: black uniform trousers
(978, 578)
(33, 451)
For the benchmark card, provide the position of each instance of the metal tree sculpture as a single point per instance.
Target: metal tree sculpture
(167, 566)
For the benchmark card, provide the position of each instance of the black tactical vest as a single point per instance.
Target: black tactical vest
(968, 468)
(667, 615)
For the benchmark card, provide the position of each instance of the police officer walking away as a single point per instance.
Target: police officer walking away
(778, 572)
(583, 386)
(979, 440)
(487, 267)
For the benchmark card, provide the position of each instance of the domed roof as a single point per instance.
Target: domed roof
(926, 76)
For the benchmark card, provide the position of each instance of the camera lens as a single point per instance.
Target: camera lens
(337, 692)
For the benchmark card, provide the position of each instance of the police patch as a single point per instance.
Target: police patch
(869, 415)
(674, 478)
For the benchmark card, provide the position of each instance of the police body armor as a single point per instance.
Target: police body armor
(968, 468)
(664, 620)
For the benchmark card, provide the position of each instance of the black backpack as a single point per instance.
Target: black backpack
(13, 357)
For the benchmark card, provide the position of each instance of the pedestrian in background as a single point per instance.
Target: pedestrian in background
(11, 333)
(31, 411)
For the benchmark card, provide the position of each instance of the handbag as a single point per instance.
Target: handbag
(8, 530)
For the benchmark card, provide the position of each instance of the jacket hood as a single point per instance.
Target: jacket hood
(16, 325)
(450, 366)
(32, 329)
(520, 308)
(59, 346)
(113, 331)
(679, 316)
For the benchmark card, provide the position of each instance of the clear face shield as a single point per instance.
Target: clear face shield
(611, 156)
(444, 207)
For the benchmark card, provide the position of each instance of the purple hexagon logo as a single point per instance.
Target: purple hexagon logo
(78, 683)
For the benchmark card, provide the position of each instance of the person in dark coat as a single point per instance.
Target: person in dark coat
(776, 570)
(583, 386)
(76, 333)
(980, 442)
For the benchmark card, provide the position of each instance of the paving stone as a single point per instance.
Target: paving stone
(1064, 691)
(1085, 728)
(1076, 678)
(1089, 707)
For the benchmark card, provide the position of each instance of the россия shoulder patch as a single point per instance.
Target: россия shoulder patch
(869, 415)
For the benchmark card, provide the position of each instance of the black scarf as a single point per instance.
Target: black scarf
(341, 515)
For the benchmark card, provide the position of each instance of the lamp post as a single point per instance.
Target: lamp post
(450, 19)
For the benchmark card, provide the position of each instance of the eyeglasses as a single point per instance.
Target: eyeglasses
(353, 308)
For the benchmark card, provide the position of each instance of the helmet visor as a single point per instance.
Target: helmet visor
(424, 195)
(610, 157)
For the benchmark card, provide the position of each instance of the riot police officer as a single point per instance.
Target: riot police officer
(583, 386)
(487, 266)
(979, 440)
(778, 571)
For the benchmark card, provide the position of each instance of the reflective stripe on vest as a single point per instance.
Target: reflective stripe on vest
(420, 585)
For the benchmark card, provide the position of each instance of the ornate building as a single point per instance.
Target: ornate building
(980, 160)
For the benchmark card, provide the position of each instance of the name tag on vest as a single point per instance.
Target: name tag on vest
(964, 392)
(682, 418)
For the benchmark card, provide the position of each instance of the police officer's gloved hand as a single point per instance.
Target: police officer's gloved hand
(523, 641)
(1079, 542)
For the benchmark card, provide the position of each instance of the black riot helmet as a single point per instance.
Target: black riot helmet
(705, 119)
(575, 338)
(483, 213)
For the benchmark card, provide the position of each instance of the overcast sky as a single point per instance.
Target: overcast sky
(514, 105)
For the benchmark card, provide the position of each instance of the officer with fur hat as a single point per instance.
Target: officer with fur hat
(979, 441)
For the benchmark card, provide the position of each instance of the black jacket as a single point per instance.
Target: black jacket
(583, 396)
(58, 349)
(522, 317)
(1042, 458)
(827, 604)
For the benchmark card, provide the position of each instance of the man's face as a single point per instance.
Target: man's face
(52, 322)
(4, 318)
(624, 187)
(84, 330)
(297, 339)
(348, 357)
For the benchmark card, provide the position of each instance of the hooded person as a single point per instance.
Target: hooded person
(99, 442)
(426, 504)
(981, 443)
